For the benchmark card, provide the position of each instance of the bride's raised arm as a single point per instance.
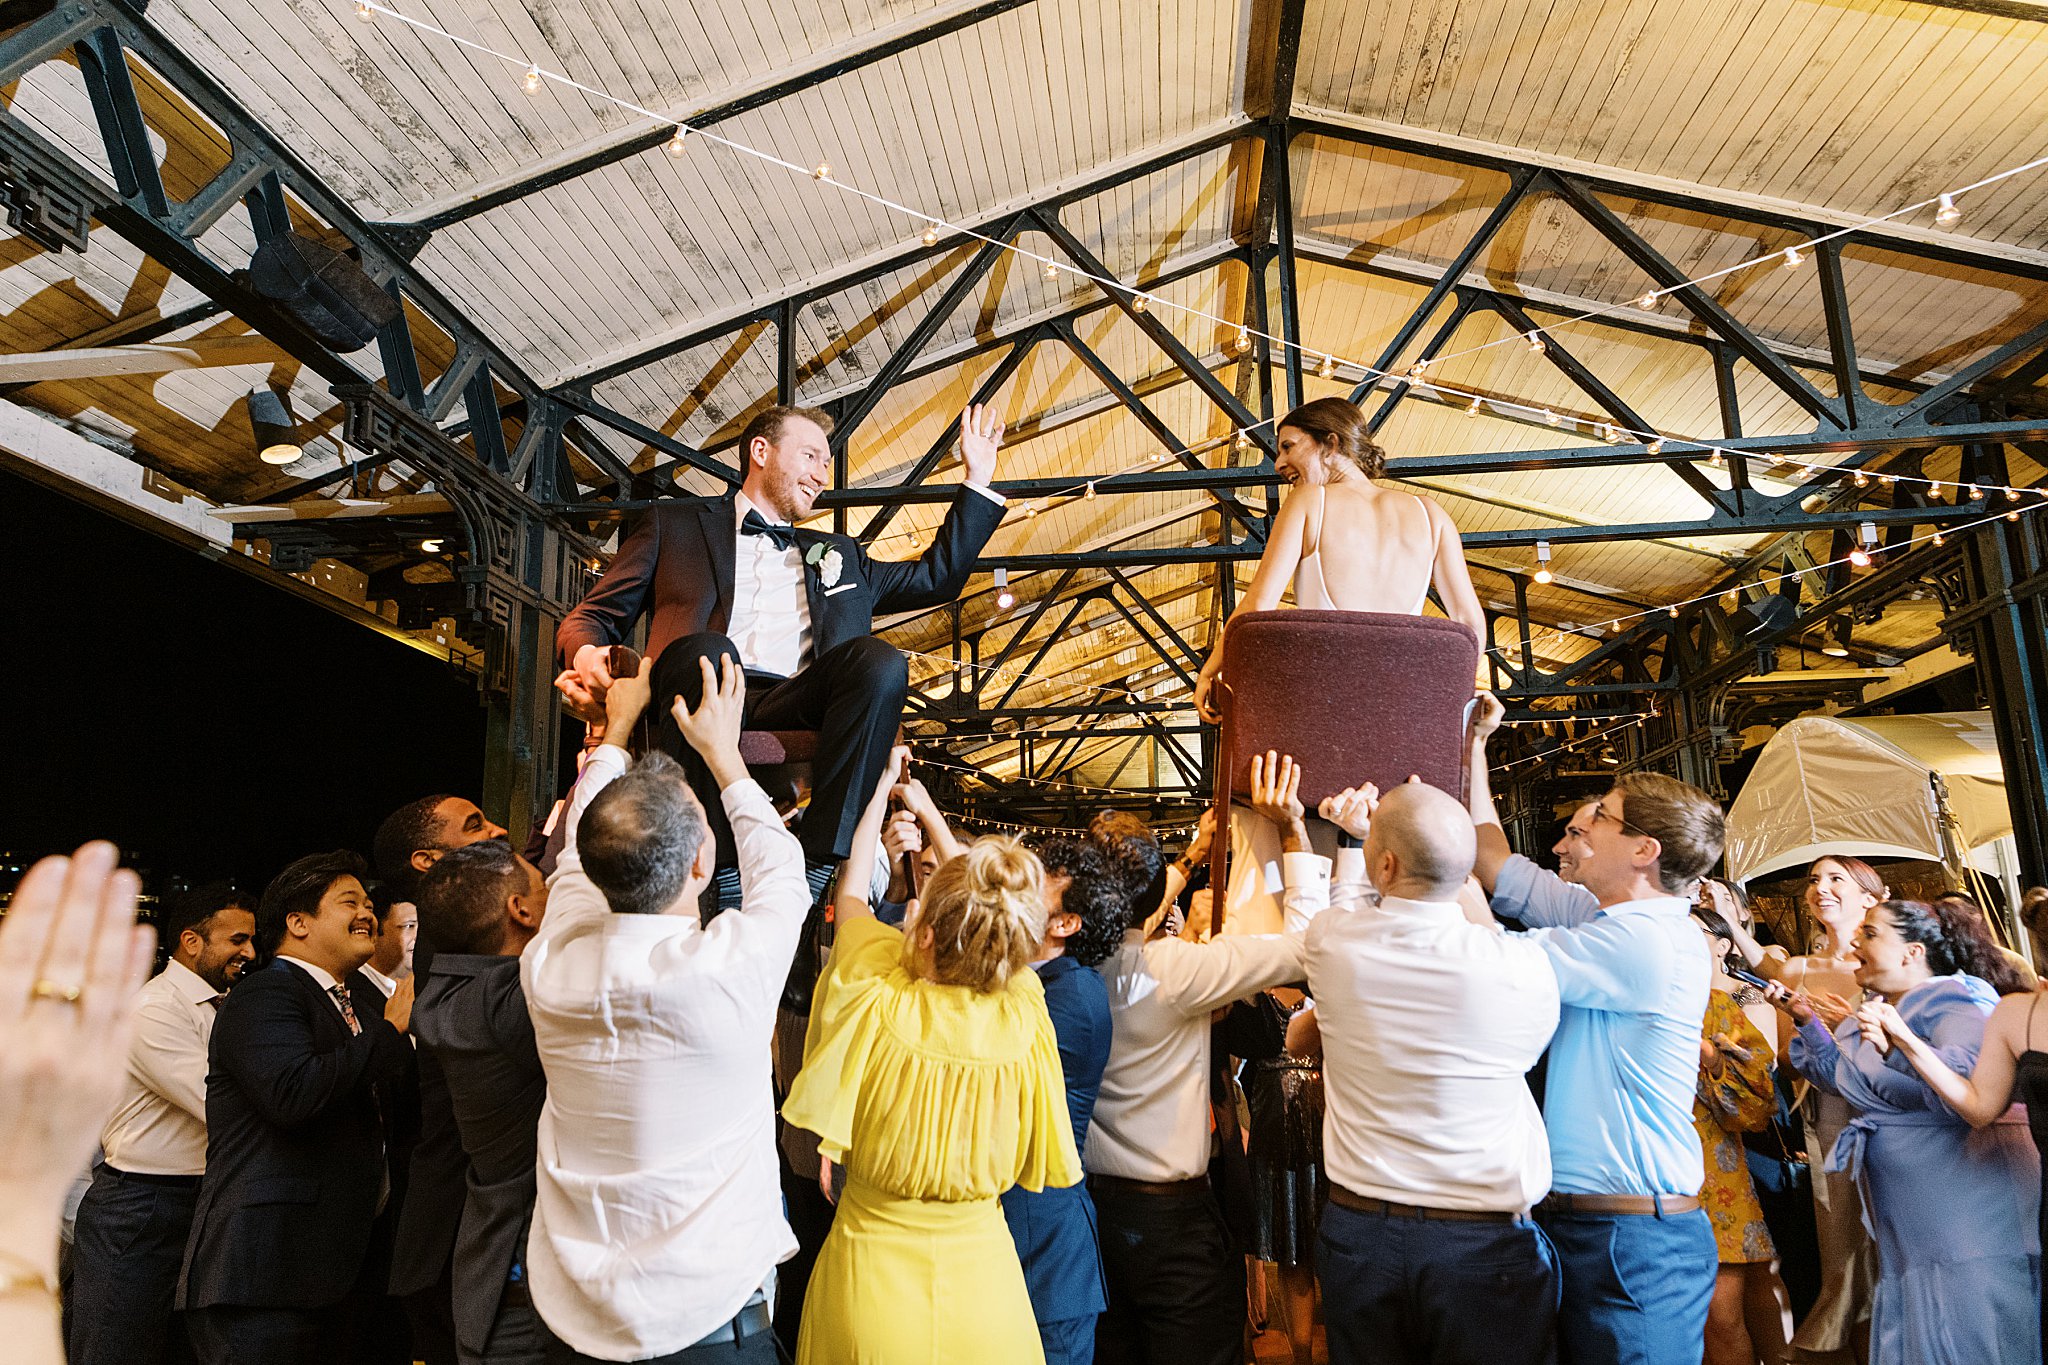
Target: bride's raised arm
(1276, 571)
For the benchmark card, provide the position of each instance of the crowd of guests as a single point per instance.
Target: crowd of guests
(1495, 1113)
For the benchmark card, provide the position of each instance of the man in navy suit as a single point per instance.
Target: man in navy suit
(306, 1060)
(733, 577)
(1055, 1228)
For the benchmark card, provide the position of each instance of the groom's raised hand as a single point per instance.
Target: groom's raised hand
(981, 436)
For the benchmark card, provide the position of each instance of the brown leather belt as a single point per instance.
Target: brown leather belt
(1341, 1196)
(1644, 1204)
(1192, 1185)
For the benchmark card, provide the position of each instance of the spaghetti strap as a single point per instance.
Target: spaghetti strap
(1429, 525)
(2034, 1005)
(1316, 529)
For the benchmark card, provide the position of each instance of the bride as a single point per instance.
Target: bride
(1345, 542)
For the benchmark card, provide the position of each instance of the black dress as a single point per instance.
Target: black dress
(2030, 1087)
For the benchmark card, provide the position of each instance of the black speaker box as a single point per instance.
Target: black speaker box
(324, 289)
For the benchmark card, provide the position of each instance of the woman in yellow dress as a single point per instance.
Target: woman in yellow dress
(932, 1074)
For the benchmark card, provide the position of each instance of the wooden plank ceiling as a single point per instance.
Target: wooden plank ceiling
(1825, 109)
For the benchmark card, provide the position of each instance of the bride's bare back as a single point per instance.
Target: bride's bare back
(1364, 548)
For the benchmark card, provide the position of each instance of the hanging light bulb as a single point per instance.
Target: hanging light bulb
(1052, 270)
(2012, 495)
(931, 234)
(2012, 516)
(1604, 432)
(1243, 341)
(1648, 300)
(365, 13)
(1946, 214)
(1731, 599)
(1327, 368)
(1088, 494)
(1867, 541)
(1656, 447)
(1934, 487)
(1775, 459)
(1543, 561)
(1005, 599)
(1535, 341)
(1861, 479)
(1419, 368)
(823, 169)
(1550, 418)
(532, 80)
(1974, 494)
(1138, 302)
(1940, 539)
(1717, 459)
(678, 144)
(1473, 410)
(1793, 260)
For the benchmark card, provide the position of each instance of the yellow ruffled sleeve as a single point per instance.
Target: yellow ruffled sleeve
(845, 1019)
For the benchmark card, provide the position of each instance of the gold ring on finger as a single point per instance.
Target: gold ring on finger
(46, 989)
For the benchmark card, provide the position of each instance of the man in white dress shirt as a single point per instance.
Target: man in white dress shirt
(735, 578)
(134, 1220)
(1433, 1146)
(658, 1223)
(1175, 1280)
(398, 927)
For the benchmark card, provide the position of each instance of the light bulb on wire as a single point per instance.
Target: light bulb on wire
(532, 80)
(931, 234)
(1947, 214)
(366, 14)
(678, 143)
(1793, 260)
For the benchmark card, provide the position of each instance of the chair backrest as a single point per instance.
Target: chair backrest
(1356, 697)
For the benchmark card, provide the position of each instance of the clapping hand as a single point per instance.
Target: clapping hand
(1881, 1024)
(1831, 1008)
(981, 435)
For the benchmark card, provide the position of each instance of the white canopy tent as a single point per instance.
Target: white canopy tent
(1927, 787)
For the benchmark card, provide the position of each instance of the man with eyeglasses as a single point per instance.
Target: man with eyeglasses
(1636, 1249)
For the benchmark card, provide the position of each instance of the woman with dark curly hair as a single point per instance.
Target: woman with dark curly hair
(1952, 1207)
(1054, 1228)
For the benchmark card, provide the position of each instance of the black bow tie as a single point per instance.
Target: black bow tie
(754, 524)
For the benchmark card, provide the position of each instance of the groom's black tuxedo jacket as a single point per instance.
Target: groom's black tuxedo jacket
(677, 564)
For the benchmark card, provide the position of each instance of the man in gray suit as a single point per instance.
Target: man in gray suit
(480, 905)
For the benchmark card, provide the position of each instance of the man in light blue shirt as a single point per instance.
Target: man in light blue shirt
(1632, 971)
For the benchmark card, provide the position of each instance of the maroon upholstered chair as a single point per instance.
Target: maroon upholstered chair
(1356, 697)
(758, 748)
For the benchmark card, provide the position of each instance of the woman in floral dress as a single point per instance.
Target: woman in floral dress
(1734, 1097)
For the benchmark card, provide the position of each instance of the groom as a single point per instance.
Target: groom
(732, 577)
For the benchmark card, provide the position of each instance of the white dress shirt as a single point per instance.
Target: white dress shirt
(1430, 1023)
(385, 985)
(770, 623)
(1152, 1114)
(658, 1211)
(159, 1125)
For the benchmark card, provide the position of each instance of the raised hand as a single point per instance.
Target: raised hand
(1352, 809)
(981, 435)
(713, 729)
(583, 704)
(1487, 715)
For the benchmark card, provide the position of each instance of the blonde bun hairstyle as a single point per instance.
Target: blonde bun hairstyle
(985, 911)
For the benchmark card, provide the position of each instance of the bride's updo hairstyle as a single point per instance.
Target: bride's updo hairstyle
(1340, 426)
(985, 911)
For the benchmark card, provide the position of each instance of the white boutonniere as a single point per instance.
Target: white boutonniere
(830, 566)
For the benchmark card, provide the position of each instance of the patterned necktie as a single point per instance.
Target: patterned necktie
(754, 524)
(348, 1011)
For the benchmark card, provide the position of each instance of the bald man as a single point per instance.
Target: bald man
(1434, 1148)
